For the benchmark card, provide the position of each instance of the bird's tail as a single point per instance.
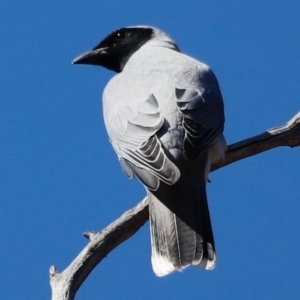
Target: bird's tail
(181, 232)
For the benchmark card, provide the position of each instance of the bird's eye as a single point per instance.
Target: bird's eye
(121, 35)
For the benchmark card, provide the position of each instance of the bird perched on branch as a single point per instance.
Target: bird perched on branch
(164, 115)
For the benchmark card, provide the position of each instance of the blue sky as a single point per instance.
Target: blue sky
(59, 176)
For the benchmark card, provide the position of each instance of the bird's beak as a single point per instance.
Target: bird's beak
(93, 57)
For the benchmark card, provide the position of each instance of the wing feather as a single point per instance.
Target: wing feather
(140, 151)
(199, 99)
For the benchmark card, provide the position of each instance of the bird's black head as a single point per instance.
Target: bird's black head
(114, 51)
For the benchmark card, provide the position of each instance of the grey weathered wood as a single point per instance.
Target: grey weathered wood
(286, 135)
(64, 285)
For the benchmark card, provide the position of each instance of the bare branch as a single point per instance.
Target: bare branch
(65, 285)
(287, 135)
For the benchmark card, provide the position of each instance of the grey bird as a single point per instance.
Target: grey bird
(164, 115)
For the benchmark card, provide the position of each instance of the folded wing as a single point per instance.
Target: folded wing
(200, 101)
(139, 150)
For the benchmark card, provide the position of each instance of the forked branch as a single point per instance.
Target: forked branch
(64, 285)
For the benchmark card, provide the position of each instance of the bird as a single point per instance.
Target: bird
(164, 115)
